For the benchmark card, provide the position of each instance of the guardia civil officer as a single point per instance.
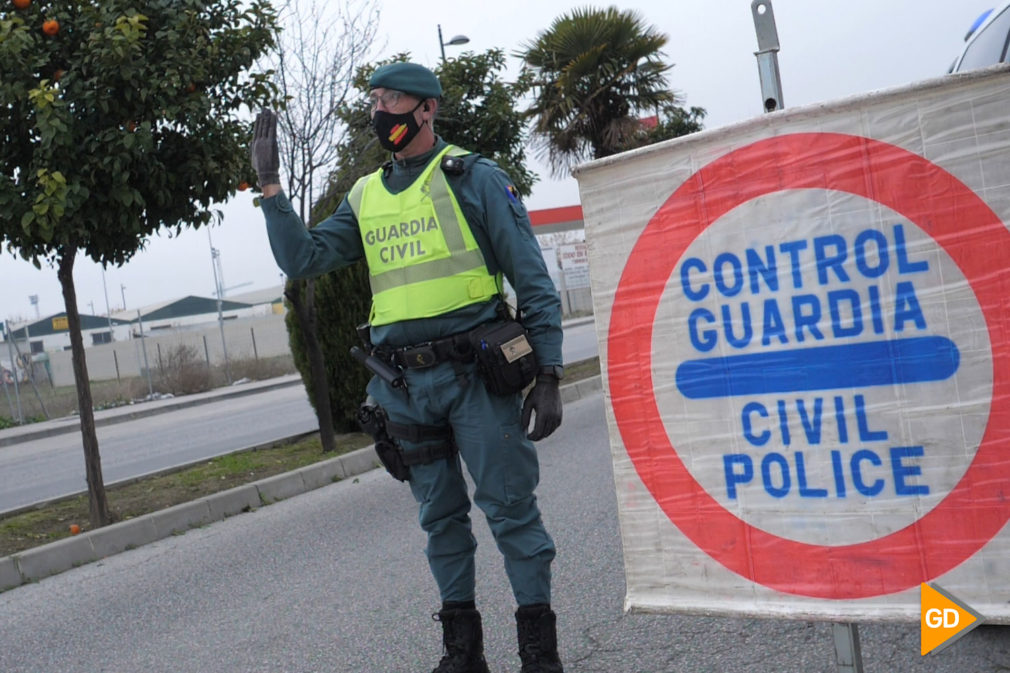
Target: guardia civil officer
(439, 227)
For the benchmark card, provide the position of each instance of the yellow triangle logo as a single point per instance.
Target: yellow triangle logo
(943, 619)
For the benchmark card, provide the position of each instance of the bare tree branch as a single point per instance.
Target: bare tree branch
(319, 49)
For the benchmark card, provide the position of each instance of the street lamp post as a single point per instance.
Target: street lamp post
(108, 311)
(457, 39)
(215, 260)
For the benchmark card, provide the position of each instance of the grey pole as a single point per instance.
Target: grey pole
(143, 346)
(10, 402)
(14, 373)
(29, 367)
(3, 382)
(847, 652)
(767, 55)
(215, 260)
(454, 40)
(108, 311)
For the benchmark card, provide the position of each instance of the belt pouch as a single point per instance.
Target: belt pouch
(505, 360)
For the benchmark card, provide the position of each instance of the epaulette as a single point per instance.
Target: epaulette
(453, 165)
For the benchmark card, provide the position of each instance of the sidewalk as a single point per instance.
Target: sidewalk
(56, 557)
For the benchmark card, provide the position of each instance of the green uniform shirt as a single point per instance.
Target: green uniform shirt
(499, 223)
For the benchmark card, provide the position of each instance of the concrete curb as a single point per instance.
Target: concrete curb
(56, 557)
(40, 562)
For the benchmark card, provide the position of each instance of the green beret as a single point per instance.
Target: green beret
(407, 77)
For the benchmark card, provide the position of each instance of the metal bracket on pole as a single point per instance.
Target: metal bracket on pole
(847, 652)
(767, 55)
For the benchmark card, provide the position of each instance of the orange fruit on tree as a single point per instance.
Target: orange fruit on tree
(242, 186)
(58, 75)
(51, 27)
(22, 4)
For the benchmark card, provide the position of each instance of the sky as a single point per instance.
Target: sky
(829, 50)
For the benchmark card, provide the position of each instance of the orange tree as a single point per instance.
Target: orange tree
(119, 118)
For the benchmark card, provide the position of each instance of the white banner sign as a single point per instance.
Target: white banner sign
(805, 343)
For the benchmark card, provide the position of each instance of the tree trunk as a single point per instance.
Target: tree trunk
(97, 502)
(306, 314)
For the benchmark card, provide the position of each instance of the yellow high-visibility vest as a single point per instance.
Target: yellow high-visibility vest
(423, 260)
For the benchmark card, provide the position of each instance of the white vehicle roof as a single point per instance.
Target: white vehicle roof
(986, 40)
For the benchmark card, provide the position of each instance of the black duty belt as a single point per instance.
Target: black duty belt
(454, 348)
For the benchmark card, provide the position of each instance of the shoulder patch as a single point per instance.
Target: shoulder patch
(511, 192)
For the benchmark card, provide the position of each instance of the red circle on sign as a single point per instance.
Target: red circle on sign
(958, 220)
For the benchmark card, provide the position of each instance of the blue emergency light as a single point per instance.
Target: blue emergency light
(978, 22)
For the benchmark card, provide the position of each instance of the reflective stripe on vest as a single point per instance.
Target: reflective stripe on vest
(422, 257)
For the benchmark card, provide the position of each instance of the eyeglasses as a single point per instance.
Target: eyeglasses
(389, 99)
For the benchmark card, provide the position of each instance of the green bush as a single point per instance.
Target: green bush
(343, 300)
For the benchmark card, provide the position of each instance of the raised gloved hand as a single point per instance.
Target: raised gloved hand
(545, 400)
(265, 160)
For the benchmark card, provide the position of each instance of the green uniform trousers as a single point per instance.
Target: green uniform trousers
(503, 465)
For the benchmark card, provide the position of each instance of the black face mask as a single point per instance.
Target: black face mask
(395, 131)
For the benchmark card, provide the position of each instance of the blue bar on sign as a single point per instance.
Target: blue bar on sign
(879, 363)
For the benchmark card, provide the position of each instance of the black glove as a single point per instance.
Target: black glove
(545, 399)
(264, 149)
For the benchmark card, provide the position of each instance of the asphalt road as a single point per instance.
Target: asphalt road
(53, 467)
(335, 580)
(580, 342)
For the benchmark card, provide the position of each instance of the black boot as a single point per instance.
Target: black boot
(538, 639)
(462, 640)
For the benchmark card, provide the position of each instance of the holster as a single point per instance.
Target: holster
(374, 422)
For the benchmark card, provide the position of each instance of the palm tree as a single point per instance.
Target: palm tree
(595, 71)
